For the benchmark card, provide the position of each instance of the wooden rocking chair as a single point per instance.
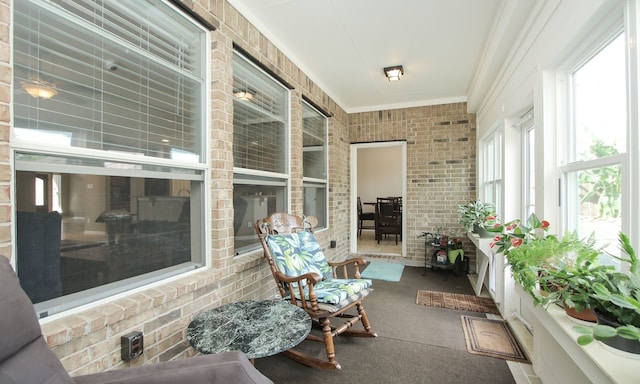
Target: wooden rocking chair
(305, 278)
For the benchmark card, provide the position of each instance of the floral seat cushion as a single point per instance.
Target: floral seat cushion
(298, 253)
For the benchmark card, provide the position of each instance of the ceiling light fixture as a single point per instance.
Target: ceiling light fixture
(39, 88)
(244, 95)
(394, 73)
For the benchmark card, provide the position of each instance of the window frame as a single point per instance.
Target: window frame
(258, 177)
(491, 177)
(569, 164)
(314, 182)
(200, 256)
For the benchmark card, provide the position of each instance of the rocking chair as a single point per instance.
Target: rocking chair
(306, 279)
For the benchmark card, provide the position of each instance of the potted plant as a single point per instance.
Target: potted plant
(617, 305)
(571, 275)
(551, 269)
(514, 234)
(475, 215)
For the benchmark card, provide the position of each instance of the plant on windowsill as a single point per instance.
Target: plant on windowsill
(571, 275)
(617, 305)
(477, 215)
(550, 269)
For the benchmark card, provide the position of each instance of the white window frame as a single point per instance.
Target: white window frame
(197, 171)
(491, 178)
(593, 45)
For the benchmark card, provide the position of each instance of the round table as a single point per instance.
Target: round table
(257, 328)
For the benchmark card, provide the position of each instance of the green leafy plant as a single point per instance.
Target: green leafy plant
(514, 234)
(476, 213)
(552, 269)
(617, 298)
(572, 272)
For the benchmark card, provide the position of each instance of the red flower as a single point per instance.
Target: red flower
(497, 238)
(544, 224)
(511, 226)
(516, 242)
(491, 245)
(490, 218)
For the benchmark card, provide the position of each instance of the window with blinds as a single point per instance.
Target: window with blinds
(314, 142)
(96, 82)
(260, 149)
(110, 75)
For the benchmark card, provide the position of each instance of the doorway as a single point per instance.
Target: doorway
(377, 170)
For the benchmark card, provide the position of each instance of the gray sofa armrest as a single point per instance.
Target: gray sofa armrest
(228, 367)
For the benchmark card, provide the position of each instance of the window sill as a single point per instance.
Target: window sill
(248, 260)
(555, 345)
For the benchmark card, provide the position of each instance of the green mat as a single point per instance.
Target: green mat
(383, 271)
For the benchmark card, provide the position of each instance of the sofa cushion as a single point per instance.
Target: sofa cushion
(228, 367)
(24, 355)
(19, 324)
(35, 363)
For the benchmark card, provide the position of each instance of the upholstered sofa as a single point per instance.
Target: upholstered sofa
(26, 358)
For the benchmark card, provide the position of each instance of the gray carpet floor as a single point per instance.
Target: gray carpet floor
(415, 343)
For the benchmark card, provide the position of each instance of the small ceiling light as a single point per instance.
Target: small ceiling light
(394, 73)
(244, 95)
(39, 88)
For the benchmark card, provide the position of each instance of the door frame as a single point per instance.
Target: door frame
(353, 247)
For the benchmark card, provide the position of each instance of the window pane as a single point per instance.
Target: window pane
(108, 229)
(112, 77)
(594, 204)
(314, 142)
(530, 172)
(252, 202)
(260, 116)
(140, 92)
(600, 113)
(260, 145)
(315, 202)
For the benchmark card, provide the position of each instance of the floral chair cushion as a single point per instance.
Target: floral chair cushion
(298, 253)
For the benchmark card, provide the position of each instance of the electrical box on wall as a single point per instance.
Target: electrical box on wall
(132, 345)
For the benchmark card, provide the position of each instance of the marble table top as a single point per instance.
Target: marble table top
(257, 328)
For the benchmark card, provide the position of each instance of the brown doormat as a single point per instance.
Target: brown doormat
(457, 301)
(491, 338)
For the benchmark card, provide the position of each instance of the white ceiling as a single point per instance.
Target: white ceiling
(449, 48)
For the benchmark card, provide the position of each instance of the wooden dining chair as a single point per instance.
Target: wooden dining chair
(388, 217)
(364, 217)
(323, 289)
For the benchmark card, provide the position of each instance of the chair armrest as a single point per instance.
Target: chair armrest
(227, 367)
(355, 261)
(312, 278)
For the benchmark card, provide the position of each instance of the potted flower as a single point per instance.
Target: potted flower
(475, 215)
(617, 305)
(514, 234)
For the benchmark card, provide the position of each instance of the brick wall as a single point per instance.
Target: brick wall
(441, 175)
(441, 166)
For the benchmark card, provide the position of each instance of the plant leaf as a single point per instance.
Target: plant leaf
(603, 332)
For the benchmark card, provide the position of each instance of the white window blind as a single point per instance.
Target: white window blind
(128, 75)
(260, 113)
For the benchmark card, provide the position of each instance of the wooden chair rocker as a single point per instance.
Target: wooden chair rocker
(305, 278)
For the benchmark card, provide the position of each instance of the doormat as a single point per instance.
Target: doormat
(383, 271)
(493, 338)
(457, 301)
